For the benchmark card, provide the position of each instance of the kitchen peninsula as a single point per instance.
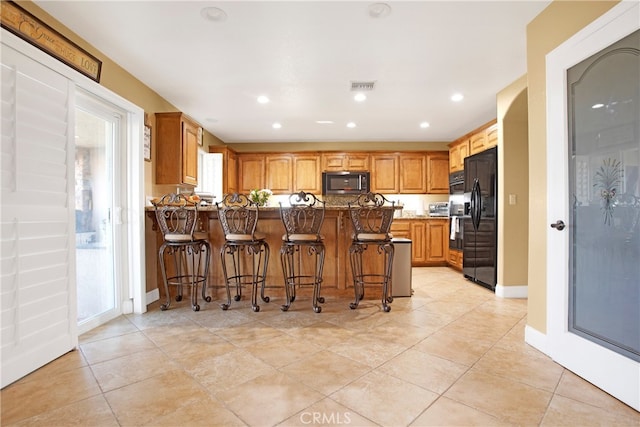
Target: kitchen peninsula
(337, 230)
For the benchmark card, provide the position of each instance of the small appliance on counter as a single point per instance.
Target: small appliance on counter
(439, 209)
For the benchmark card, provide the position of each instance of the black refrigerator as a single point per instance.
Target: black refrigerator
(480, 223)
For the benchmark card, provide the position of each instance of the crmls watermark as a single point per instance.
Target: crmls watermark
(337, 418)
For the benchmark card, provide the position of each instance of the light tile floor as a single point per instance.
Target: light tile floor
(451, 355)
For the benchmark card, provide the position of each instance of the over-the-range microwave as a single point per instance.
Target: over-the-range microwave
(345, 182)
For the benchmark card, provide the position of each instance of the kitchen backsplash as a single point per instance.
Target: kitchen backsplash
(413, 204)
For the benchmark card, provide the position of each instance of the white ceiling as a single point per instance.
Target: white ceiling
(304, 55)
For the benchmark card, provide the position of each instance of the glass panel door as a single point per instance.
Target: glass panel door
(604, 191)
(97, 139)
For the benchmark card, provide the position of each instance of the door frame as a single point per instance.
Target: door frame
(134, 295)
(604, 368)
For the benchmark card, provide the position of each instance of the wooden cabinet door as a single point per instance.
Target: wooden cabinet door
(401, 228)
(333, 161)
(306, 173)
(453, 158)
(384, 173)
(437, 243)
(477, 143)
(279, 173)
(345, 161)
(231, 169)
(413, 173)
(437, 181)
(189, 153)
(418, 242)
(251, 172)
(457, 154)
(464, 152)
(491, 136)
(357, 162)
(176, 149)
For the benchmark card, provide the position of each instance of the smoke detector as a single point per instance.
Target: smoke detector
(379, 10)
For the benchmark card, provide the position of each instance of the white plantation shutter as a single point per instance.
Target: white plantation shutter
(38, 302)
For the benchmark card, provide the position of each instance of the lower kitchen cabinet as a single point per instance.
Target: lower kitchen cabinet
(455, 259)
(429, 244)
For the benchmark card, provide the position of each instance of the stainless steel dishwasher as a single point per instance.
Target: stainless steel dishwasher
(401, 274)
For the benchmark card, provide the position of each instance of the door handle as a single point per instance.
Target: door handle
(558, 225)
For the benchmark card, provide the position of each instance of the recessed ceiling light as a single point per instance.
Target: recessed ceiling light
(379, 10)
(262, 99)
(359, 97)
(276, 125)
(424, 125)
(213, 14)
(351, 125)
(457, 97)
(324, 122)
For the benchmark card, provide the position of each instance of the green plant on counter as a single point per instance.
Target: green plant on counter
(261, 197)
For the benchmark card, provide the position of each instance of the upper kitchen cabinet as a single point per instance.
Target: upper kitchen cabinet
(177, 141)
(345, 161)
(229, 168)
(413, 170)
(458, 150)
(437, 173)
(279, 173)
(477, 142)
(251, 172)
(385, 173)
(491, 138)
(307, 174)
(483, 138)
(282, 173)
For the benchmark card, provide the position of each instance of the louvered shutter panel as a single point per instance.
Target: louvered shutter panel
(37, 240)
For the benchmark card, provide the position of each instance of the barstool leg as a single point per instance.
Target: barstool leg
(266, 252)
(223, 250)
(317, 280)
(355, 256)
(190, 253)
(254, 250)
(386, 297)
(237, 270)
(286, 260)
(163, 269)
(206, 247)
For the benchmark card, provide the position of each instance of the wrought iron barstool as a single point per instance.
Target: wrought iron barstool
(177, 218)
(371, 215)
(238, 216)
(302, 220)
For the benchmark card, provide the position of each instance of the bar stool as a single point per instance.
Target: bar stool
(302, 220)
(238, 216)
(190, 250)
(371, 215)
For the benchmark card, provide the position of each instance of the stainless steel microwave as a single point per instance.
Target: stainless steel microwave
(345, 182)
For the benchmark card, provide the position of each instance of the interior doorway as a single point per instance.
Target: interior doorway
(594, 203)
(98, 138)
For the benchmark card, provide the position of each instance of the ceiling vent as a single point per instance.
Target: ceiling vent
(362, 86)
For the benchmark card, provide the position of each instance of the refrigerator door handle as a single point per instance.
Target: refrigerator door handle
(476, 204)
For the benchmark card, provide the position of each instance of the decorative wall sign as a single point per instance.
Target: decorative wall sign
(147, 143)
(23, 24)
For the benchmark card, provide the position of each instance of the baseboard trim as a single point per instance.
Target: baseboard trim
(512, 291)
(536, 339)
(153, 296)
